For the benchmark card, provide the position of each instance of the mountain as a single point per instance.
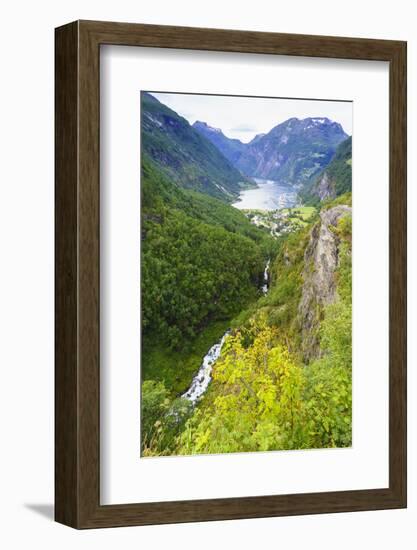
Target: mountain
(321, 264)
(232, 149)
(335, 179)
(257, 138)
(202, 262)
(293, 151)
(184, 154)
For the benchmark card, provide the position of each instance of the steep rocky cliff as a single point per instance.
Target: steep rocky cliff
(324, 188)
(321, 261)
(334, 180)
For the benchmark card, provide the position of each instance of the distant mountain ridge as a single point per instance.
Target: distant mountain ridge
(335, 179)
(232, 149)
(294, 151)
(185, 155)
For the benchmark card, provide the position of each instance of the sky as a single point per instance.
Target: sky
(244, 117)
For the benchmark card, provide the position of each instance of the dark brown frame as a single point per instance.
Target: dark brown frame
(77, 373)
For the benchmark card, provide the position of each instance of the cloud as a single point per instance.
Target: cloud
(242, 128)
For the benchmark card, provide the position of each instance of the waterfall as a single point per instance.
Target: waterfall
(202, 379)
(265, 286)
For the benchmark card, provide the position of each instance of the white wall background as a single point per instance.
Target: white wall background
(26, 273)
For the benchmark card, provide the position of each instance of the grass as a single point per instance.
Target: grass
(177, 368)
(304, 213)
(345, 199)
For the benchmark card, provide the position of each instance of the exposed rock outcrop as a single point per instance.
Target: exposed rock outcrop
(321, 259)
(335, 179)
(324, 188)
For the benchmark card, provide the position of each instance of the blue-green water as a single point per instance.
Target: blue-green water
(269, 195)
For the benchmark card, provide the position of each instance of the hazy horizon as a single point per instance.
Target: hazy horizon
(244, 117)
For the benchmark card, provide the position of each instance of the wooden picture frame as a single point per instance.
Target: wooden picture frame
(77, 405)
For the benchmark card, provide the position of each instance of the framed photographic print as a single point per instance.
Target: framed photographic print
(230, 274)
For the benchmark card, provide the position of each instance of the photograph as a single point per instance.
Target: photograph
(209, 282)
(246, 274)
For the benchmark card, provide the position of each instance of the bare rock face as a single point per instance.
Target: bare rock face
(321, 259)
(324, 188)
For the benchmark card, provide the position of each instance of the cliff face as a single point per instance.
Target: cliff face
(321, 260)
(324, 188)
(335, 179)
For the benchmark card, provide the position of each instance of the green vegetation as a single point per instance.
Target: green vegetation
(162, 418)
(295, 150)
(202, 262)
(159, 194)
(255, 400)
(280, 305)
(340, 169)
(287, 280)
(176, 367)
(263, 397)
(338, 174)
(232, 149)
(184, 156)
(346, 199)
(202, 269)
(282, 221)
(194, 272)
(330, 376)
(304, 213)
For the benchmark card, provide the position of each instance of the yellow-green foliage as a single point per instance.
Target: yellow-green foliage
(346, 199)
(285, 293)
(257, 401)
(162, 418)
(262, 397)
(330, 377)
(261, 400)
(280, 305)
(304, 213)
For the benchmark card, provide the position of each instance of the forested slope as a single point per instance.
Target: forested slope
(281, 378)
(270, 390)
(202, 262)
(184, 155)
(334, 180)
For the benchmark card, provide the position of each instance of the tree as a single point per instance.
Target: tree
(258, 398)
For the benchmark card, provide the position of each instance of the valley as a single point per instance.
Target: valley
(246, 286)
